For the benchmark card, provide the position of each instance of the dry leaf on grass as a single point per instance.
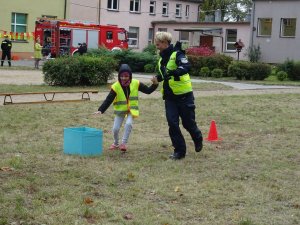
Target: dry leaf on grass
(88, 201)
(128, 216)
(6, 168)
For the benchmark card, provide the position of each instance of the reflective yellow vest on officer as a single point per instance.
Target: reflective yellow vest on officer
(122, 105)
(181, 86)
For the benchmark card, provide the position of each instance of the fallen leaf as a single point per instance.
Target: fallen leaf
(6, 168)
(88, 200)
(177, 189)
(128, 216)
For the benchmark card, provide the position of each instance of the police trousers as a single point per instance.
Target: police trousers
(184, 109)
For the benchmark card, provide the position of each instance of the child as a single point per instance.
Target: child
(124, 96)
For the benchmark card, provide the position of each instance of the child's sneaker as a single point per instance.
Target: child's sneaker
(113, 147)
(123, 147)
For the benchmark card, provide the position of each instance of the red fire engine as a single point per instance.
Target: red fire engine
(62, 37)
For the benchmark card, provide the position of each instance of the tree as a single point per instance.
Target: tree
(231, 10)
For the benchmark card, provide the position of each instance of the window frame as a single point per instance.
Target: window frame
(282, 27)
(137, 38)
(113, 7)
(134, 2)
(165, 6)
(14, 25)
(187, 11)
(230, 42)
(153, 7)
(178, 11)
(184, 41)
(268, 20)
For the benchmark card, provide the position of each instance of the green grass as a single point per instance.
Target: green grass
(11, 88)
(251, 177)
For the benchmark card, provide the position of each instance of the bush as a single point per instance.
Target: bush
(259, 71)
(281, 75)
(291, 68)
(151, 48)
(205, 71)
(200, 51)
(78, 71)
(239, 69)
(254, 53)
(149, 68)
(217, 73)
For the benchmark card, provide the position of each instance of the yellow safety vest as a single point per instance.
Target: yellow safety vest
(181, 86)
(123, 106)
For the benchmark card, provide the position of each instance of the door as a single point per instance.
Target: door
(206, 41)
(93, 36)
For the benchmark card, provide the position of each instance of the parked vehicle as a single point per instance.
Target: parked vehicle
(61, 37)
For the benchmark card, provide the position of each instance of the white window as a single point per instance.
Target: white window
(162, 30)
(133, 37)
(264, 27)
(184, 37)
(231, 36)
(178, 10)
(152, 7)
(113, 4)
(135, 5)
(288, 27)
(18, 24)
(187, 11)
(150, 35)
(165, 9)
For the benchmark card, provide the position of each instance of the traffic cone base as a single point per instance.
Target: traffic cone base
(213, 134)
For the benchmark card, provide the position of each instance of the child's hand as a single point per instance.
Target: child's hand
(154, 80)
(97, 113)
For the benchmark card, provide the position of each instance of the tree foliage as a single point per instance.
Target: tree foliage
(231, 10)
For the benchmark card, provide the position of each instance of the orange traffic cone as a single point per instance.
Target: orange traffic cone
(213, 134)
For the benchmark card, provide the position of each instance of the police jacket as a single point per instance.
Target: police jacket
(6, 45)
(182, 68)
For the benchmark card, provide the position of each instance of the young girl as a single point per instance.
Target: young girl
(124, 96)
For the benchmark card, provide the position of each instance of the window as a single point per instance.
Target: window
(165, 9)
(134, 5)
(187, 11)
(178, 10)
(109, 35)
(150, 35)
(231, 36)
(288, 27)
(152, 7)
(162, 30)
(113, 4)
(19, 24)
(133, 37)
(184, 37)
(264, 27)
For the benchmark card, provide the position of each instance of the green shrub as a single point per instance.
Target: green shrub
(281, 75)
(205, 71)
(259, 71)
(254, 53)
(217, 73)
(149, 68)
(239, 69)
(291, 68)
(78, 71)
(151, 48)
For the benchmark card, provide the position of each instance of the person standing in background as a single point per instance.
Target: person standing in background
(6, 46)
(37, 53)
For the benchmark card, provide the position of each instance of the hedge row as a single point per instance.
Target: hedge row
(79, 70)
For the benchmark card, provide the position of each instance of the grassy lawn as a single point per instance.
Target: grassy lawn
(251, 177)
(10, 88)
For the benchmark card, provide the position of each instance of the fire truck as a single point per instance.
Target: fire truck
(63, 37)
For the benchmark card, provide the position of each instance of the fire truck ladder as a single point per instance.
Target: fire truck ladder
(52, 31)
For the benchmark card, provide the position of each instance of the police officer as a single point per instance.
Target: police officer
(6, 50)
(177, 92)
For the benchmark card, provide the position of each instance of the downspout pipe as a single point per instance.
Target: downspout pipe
(65, 10)
(253, 20)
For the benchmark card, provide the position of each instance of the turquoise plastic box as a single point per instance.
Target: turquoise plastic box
(84, 141)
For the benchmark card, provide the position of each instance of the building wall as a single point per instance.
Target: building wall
(243, 33)
(89, 10)
(276, 49)
(35, 9)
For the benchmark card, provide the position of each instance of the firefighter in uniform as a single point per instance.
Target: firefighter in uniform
(6, 50)
(177, 91)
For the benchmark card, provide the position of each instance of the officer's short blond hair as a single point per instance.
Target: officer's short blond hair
(163, 37)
